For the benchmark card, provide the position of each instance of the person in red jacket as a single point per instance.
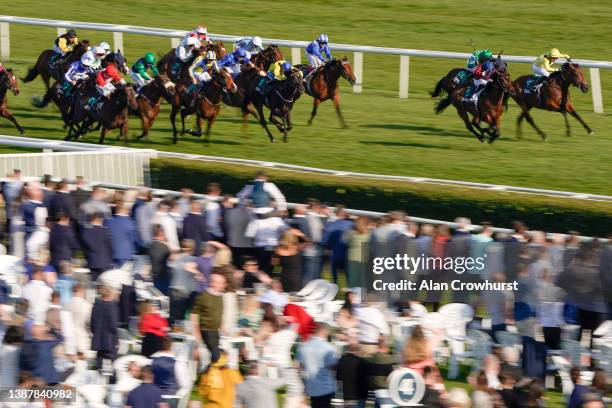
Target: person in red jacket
(153, 327)
(106, 80)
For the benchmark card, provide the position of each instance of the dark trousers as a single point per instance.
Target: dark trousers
(211, 340)
(497, 328)
(337, 264)
(180, 302)
(323, 401)
(104, 355)
(239, 254)
(552, 337)
(264, 258)
(96, 272)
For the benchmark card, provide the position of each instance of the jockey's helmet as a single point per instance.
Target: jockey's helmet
(201, 30)
(286, 66)
(105, 46)
(257, 42)
(99, 51)
(88, 59)
(210, 56)
(323, 39)
(149, 58)
(193, 42)
(555, 53)
(241, 52)
(71, 34)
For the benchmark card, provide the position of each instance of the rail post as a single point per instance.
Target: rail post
(596, 90)
(404, 76)
(296, 56)
(174, 42)
(60, 31)
(358, 69)
(118, 42)
(5, 41)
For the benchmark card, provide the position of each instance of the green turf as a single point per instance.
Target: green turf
(386, 134)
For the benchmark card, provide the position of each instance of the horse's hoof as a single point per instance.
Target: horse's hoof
(22, 132)
(591, 132)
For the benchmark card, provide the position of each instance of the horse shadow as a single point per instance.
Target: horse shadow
(405, 144)
(419, 129)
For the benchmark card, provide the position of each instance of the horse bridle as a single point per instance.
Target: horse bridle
(7, 80)
(293, 94)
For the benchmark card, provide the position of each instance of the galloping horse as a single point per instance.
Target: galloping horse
(449, 83)
(324, 85)
(164, 65)
(208, 103)
(248, 73)
(489, 107)
(42, 64)
(550, 96)
(149, 101)
(8, 82)
(280, 98)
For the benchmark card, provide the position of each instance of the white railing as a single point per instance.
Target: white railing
(33, 143)
(296, 46)
(113, 165)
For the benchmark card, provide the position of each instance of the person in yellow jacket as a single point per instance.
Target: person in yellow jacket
(278, 71)
(543, 65)
(218, 384)
(65, 43)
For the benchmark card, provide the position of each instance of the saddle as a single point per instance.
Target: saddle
(533, 85)
(461, 77)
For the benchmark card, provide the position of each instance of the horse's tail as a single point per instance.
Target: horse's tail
(505, 101)
(32, 74)
(439, 89)
(443, 104)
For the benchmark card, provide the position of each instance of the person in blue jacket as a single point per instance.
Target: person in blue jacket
(316, 50)
(233, 61)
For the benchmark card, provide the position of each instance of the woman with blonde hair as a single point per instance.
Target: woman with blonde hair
(288, 256)
(417, 352)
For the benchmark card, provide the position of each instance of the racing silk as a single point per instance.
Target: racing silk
(315, 49)
(62, 44)
(484, 70)
(182, 53)
(97, 61)
(246, 43)
(193, 34)
(474, 59)
(140, 67)
(232, 59)
(276, 70)
(201, 65)
(108, 75)
(544, 62)
(77, 71)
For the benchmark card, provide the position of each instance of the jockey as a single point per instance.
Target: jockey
(138, 72)
(543, 65)
(198, 71)
(315, 51)
(234, 60)
(200, 33)
(278, 71)
(482, 75)
(80, 70)
(106, 47)
(98, 54)
(184, 52)
(251, 44)
(477, 58)
(106, 79)
(65, 43)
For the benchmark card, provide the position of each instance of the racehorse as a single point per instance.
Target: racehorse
(42, 64)
(262, 60)
(324, 84)
(164, 65)
(112, 114)
(208, 103)
(8, 82)
(149, 101)
(550, 96)
(280, 98)
(450, 82)
(118, 59)
(489, 106)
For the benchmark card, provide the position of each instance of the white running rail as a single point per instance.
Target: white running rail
(296, 46)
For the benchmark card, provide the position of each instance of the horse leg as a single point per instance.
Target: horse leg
(184, 114)
(284, 119)
(4, 112)
(264, 123)
(519, 129)
(572, 111)
(289, 123)
(336, 101)
(123, 130)
(210, 121)
(463, 115)
(146, 125)
(315, 104)
(199, 121)
(173, 121)
(102, 135)
(568, 132)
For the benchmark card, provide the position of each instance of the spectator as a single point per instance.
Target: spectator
(183, 285)
(253, 275)
(372, 325)
(318, 358)
(160, 254)
(9, 355)
(80, 309)
(194, 226)
(38, 295)
(256, 391)
(162, 218)
(288, 256)
(262, 193)
(333, 232)
(265, 230)
(153, 327)
(63, 242)
(39, 240)
(146, 395)
(62, 202)
(434, 388)
(379, 366)
(312, 253)
(143, 212)
(218, 383)
(213, 212)
(11, 190)
(169, 374)
(96, 204)
(37, 353)
(206, 315)
(356, 240)
(483, 396)
(235, 222)
(417, 352)
(458, 398)
(346, 320)
(60, 321)
(104, 323)
(80, 194)
(507, 392)
(123, 235)
(97, 245)
(33, 212)
(351, 372)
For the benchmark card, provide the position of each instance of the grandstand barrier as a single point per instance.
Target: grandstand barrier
(34, 143)
(118, 166)
(296, 47)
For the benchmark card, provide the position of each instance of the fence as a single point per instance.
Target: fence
(33, 143)
(296, 46)
(114, 166)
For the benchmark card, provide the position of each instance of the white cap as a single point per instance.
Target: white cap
(257, 42)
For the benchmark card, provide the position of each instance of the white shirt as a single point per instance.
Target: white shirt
(80, 309)
(38, 295)
(38, 241)
(271, 189)
(372, 324)
(68, 331)
(265, 231)
(168, 224)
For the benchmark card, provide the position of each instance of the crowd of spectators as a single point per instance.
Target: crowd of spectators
(231, 265)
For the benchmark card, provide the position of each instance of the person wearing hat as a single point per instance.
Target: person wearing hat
(542, 67)
(65, 43)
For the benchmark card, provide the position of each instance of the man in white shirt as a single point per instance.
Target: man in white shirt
(39, 240)
(168, 224)
(372, 325)
(80, 309)
(38, 295)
